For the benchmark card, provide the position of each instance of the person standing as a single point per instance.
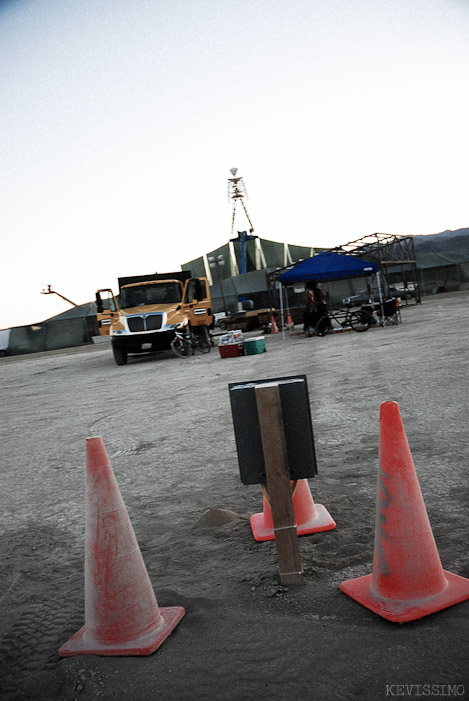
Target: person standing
(315, 306)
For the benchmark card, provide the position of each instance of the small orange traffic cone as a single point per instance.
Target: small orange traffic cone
(310, 517)
(121, 613)
(274, 328)
(408, 581)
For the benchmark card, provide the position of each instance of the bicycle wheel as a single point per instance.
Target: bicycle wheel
(360, 321)
(180, 347)
(324, 325)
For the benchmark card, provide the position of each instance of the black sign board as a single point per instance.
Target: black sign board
(298, 428)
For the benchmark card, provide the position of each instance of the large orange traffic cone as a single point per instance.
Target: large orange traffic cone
(273, 325)
(310, 517)
(121, 613)
(408, 581)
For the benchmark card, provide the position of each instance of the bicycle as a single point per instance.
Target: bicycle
(187, 341)
(358, 320)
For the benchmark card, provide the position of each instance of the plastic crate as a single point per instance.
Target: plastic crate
(253, 346)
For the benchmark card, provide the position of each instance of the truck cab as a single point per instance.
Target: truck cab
(149, 309)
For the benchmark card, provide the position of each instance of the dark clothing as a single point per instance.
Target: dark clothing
(315, 308)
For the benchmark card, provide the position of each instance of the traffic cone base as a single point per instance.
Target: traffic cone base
(322, 521)
(399, 611)
(309, 517)
(145, 645)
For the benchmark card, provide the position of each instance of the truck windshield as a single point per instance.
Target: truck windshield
(159, 293)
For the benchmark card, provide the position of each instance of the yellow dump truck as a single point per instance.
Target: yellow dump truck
(144, 317)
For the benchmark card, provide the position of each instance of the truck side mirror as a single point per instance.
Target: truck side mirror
(99, 303)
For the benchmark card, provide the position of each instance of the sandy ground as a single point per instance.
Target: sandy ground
(167, 427)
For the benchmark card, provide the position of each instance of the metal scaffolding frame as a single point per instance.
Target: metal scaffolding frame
(394, 255)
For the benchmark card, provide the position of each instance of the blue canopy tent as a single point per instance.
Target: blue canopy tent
(328, 266)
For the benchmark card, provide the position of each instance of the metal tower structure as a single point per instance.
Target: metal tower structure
(237, 194)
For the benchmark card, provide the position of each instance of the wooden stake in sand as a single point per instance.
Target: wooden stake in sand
(278, 483)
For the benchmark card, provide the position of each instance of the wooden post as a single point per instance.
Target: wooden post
(278, 483)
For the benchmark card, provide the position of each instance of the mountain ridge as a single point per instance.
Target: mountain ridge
(448, 241)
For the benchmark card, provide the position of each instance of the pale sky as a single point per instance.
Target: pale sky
(120, 122)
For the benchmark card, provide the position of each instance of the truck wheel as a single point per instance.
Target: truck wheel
(204, 345)
(120, 356)
(204, 340)
(223, 325)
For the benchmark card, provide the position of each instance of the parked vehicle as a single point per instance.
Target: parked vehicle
(220, 319)
(339, 319)
(150, 308)
(364, 296)
(187, 341)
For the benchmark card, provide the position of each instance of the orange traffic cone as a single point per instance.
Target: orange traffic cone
(274, 328)
(310, 517)
(121, 613)
(408, 581)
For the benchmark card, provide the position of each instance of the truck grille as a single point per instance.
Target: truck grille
(144, 322)
(153, 322)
